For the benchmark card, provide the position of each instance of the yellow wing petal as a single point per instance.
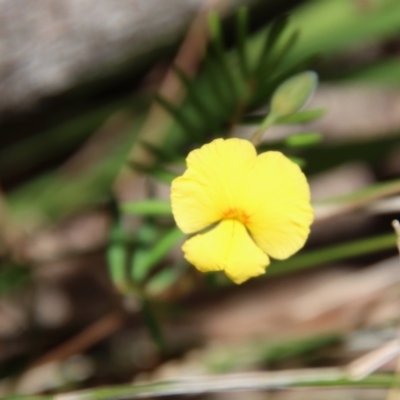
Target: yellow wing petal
(212, 183)
(227, 247)
(278, 204)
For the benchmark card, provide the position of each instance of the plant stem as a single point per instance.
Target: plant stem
(267, 123)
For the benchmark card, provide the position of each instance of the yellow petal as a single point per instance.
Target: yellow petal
(212, 183)
(227, 247)
(278, 205)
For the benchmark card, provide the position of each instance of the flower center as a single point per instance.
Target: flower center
(239, 215)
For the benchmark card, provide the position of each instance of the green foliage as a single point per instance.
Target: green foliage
(58, 193)
(293, 94)
(238, 86)
(330, 27)
(132, 260)
(323, 378)
(13, 278)
(117, 257)
(144, 259)
(276, 352)
(303, 139)
(153, 325)
(314, 258)
(163, 280)
(385, 73)
(301, 117)
(233, 84)
(297, 160)
(150, 207)
(34, 150)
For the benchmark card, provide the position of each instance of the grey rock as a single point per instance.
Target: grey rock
(48, 46)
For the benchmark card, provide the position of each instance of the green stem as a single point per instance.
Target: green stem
(153, 326)
(334, 253)
(267, 123)
(318, 377)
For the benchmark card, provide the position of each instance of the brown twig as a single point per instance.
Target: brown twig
(91, 335)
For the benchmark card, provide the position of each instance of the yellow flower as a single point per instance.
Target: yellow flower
(243, 207)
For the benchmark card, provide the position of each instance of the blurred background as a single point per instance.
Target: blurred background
(100, 103)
